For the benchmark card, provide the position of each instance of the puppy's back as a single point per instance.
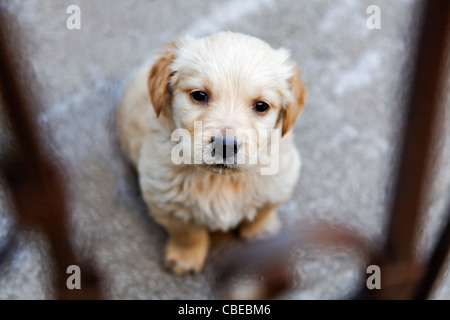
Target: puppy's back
(134, 114)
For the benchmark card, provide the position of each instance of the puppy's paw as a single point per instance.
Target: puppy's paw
(261, 227)
(182, 259)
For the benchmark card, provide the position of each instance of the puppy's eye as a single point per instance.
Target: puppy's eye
(199, 96)
(261, 106)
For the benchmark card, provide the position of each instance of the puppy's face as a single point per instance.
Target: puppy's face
(228, 91)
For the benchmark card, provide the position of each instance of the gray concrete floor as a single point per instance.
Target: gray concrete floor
(346, 134)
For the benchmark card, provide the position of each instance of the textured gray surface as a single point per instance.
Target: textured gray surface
(346, 134)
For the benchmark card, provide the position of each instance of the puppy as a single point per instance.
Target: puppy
(196, 123)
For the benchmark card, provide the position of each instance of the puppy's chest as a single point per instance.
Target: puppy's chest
(222, 202)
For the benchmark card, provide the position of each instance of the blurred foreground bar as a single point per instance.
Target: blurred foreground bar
(34, 181)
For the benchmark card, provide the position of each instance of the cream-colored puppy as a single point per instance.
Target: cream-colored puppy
(221, 94)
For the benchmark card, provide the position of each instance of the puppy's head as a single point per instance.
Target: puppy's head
(228, 91)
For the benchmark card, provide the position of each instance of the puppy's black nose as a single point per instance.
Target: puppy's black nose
(225, 148)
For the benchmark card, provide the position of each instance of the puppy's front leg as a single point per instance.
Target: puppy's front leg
(265, 223)
(187, 247)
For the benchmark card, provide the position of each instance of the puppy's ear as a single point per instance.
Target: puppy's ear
(158, 78)
(294, 107)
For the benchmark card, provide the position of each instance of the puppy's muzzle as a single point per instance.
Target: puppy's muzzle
(224, 149)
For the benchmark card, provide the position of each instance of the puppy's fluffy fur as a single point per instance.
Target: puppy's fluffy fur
(189, 201)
